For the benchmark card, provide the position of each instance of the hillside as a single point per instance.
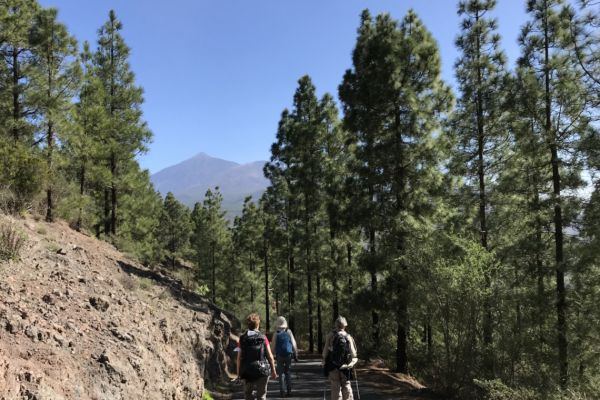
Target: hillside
(190, 179)
(79, 320)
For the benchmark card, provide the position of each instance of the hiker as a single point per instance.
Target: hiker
(284, 344)
(339, 356)
(254, 360)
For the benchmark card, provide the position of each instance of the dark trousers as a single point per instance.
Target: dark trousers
(260, 385)
(284, 364)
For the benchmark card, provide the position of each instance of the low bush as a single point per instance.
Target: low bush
(11, 242)
(496, 390)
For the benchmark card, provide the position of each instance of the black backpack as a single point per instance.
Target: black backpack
(340, 353)
(254, 364)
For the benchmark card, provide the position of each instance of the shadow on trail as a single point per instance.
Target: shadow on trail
(308, 382)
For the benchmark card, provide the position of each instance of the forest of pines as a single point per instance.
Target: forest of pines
(457, 229)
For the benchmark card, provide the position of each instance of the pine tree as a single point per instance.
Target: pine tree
(583, 38)
(335, 161)
(22, 164)
(246, 237)
(84, 145)
(298, 157)
(141, 208)
(479, 123)
(174, 228)
(284, 207)
(394, 100)
(17, 52)
(54, 82)
(211, 242)
(560, 111)
(127, 134)
(358, 93)
(522, 209)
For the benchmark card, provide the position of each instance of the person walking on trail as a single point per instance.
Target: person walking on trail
(339, 356)
(284, 344)
(255, 361)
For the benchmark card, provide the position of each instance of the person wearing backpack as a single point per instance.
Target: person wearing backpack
(339, 356)
(254, 360)
(284, 344)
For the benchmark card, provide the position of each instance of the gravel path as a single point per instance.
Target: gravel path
(309, 383)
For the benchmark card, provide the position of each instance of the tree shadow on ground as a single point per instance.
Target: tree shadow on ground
(187, 298)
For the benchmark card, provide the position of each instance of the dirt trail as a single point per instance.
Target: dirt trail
(309, 383)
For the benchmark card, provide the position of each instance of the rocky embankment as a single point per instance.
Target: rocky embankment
(79, 320)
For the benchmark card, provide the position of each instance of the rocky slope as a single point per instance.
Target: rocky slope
(79, 320)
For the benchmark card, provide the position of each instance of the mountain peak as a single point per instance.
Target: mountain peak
(190, 179)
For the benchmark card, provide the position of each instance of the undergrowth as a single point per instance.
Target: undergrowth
(11, 242)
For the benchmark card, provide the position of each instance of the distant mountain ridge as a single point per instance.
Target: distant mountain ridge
(190, 179)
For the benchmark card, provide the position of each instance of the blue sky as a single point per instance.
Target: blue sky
(218, 73)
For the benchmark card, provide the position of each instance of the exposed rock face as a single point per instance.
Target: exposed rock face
(88, 323)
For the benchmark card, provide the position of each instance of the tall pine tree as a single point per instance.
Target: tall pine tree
(479, 124)
(127, 134)
(394, 101)
(560, 111)
(55, 82)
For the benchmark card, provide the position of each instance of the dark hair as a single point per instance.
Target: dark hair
(253, 320)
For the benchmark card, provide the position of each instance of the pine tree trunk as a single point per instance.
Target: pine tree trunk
(350, 283)
(487, 320)
(374, 313)
(335, 306)
(16, 111)
(79, 222)
(561, 305)
(319, 319)
(107, 212)
(113, 190)
(214, 273)
(539, 264)
(50, 145)
(252, 289)
(429, 330)
(402, 333)
(311, 342)
(292, 295)
(266, 260)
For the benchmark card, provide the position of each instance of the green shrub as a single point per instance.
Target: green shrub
(22, 176)
(145, 283)
(11, 242)
(202, 290)
(206, 396)
(496, 390)
(8, 201)
(53, 247)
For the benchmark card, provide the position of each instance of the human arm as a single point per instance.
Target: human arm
(271, 362)
(238, 363)
(294, 345)
(326, 349)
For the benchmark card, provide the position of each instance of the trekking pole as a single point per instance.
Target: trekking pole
(356, 380)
